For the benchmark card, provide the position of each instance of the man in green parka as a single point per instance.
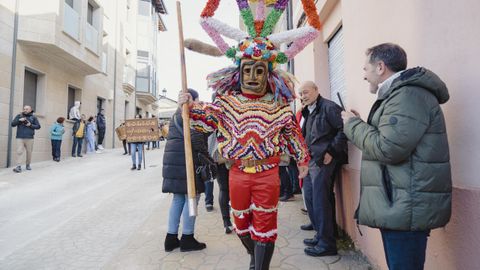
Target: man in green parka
(406, 186)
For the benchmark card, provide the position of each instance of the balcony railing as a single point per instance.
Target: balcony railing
(143, 84)
(91, 38)
(129, 75)
(71, 21)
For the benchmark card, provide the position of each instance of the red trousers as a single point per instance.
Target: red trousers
(254, 200)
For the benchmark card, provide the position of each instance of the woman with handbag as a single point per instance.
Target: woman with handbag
(175, 181)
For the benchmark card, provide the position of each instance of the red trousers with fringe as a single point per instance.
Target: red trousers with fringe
(254, 199)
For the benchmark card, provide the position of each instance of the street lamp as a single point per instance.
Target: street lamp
(163, 94)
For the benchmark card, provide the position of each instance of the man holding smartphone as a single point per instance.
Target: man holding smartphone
(405, 176)
(26, 124)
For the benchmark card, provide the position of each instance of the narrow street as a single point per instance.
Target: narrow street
(94, 213)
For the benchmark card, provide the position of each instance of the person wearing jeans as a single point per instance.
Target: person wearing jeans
(399, 245)
(179, 209)
(78, 136)
(91, 129)
(136, 150)
(175, 181)
(56, 133)
(405, 176)
(209, 195)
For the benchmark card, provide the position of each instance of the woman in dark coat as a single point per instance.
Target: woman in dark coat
(175, 181)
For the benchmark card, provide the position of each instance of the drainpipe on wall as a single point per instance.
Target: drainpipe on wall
(115, 76)
(135, 97)
(12, 84)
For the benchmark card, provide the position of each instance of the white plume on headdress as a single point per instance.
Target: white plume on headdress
(291, 35)
(225, 29)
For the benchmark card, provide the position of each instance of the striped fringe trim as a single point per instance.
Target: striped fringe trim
(259, 234)
(241, 232)
(253, 207)
(239, 213)
(263, 235)
(261, 209)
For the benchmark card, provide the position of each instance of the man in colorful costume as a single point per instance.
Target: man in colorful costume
(251, 116)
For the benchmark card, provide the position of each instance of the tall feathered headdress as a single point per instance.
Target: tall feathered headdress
(259, 43)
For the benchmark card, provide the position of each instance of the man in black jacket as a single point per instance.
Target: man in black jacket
(101, 128)
(26, 124)
(322, 128)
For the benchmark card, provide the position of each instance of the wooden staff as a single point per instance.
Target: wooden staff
(192, 196)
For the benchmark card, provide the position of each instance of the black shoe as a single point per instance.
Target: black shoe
(125, 153)
(17, 169)
(298, 191)
(28, 167)
(73, 155)
(58, 159)
(319, 252)
(189, 243)
(286, 198)
(209, 207)
(250, 247)
(304, 211)
(307, 227)
(134, 167)
(139, 167)
(227, 224)
(311, 242)
(79, 155)
(228, 229)
(171, 242)
(263, 255)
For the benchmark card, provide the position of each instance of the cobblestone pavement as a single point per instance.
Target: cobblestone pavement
(94, 213)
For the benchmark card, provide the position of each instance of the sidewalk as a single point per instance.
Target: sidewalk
(94, 213)
(145, 249)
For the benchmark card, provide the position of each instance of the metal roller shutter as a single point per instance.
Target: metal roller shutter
(336, 67)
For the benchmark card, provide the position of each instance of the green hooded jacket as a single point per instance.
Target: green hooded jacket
(405, 173)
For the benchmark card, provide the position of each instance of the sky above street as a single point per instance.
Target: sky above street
(198, 66)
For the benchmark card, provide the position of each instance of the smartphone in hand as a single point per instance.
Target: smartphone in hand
(341, 101)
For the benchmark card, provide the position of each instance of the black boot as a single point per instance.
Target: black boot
(171, 242)
(263, 255)
(250, 246)
(189, 243)
(227, 224)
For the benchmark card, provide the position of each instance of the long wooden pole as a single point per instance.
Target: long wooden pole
(192, 196)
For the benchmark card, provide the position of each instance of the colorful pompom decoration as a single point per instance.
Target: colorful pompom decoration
(259, 43)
